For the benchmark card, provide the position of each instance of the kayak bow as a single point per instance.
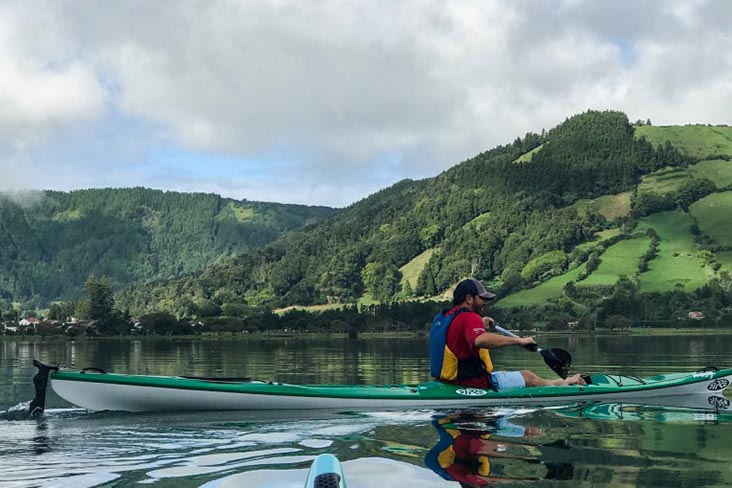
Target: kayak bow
(325, 472)
(96, 390)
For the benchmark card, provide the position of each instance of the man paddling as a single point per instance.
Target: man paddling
(460, 342)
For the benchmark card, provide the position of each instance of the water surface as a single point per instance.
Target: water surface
(575, 445)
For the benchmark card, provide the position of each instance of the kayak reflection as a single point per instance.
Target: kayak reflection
(646, 413)
(476, 450)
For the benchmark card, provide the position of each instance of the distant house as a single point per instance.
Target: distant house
(696, 315)
(29, 322)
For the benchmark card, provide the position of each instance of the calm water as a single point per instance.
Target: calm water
(616, 445)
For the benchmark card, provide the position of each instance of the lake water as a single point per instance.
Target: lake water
(615, 445)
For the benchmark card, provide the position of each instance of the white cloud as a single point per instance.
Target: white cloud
(39, 91)
(351, 96)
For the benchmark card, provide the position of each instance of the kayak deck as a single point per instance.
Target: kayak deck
(110, 391)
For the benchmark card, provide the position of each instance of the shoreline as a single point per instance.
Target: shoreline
(635, 331)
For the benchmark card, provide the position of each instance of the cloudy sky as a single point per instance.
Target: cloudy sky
(326, 102)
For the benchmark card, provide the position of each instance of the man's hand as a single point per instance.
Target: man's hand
(489, 323)
(528, 343)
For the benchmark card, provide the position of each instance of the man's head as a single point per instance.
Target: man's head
(473, 294)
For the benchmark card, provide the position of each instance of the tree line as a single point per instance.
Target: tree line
(97, 314)
(589, 307)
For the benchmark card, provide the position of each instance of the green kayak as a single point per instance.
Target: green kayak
(98, 390)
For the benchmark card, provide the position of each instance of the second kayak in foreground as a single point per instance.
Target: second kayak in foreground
(95, 390)
(325, 472)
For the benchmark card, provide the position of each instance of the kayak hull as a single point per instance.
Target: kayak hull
(136, 393)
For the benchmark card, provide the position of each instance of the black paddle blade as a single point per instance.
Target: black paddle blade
(40, 381)
(558, 360)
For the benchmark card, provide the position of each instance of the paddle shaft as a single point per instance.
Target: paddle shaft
(511, 334)
(558, 360)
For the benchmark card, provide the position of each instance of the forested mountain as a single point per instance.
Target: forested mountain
(51, 242)
(594, 221)
(510, 216)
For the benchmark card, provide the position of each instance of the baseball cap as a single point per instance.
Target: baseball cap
(472, 287)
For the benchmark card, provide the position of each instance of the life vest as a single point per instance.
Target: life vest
(444, 364)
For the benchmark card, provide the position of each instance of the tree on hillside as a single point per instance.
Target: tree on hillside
(99, 306)
(625, 299)
(426, 282)
(11, 315)
(101, 298)
(383, 280)
(62, 311)
(162, 323)
(692, 191)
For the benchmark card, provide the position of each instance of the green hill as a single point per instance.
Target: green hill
(517, 213)
(51, 242)
(529, 229)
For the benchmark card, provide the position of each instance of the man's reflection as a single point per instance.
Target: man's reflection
(468, 444)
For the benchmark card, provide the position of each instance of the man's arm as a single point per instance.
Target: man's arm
(489, 340)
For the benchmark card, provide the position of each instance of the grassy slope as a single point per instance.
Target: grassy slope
(480, 222)
(670, 179)
(714, 216)
(664, 180)
(609, 206)
(551, 288)
(411, 270)
(725, 259)
(366, 300)
(700, 141)
(526, 157)
(677, 262)
(622, 258)
(717, 170)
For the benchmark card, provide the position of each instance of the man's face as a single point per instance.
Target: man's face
(476, 303)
